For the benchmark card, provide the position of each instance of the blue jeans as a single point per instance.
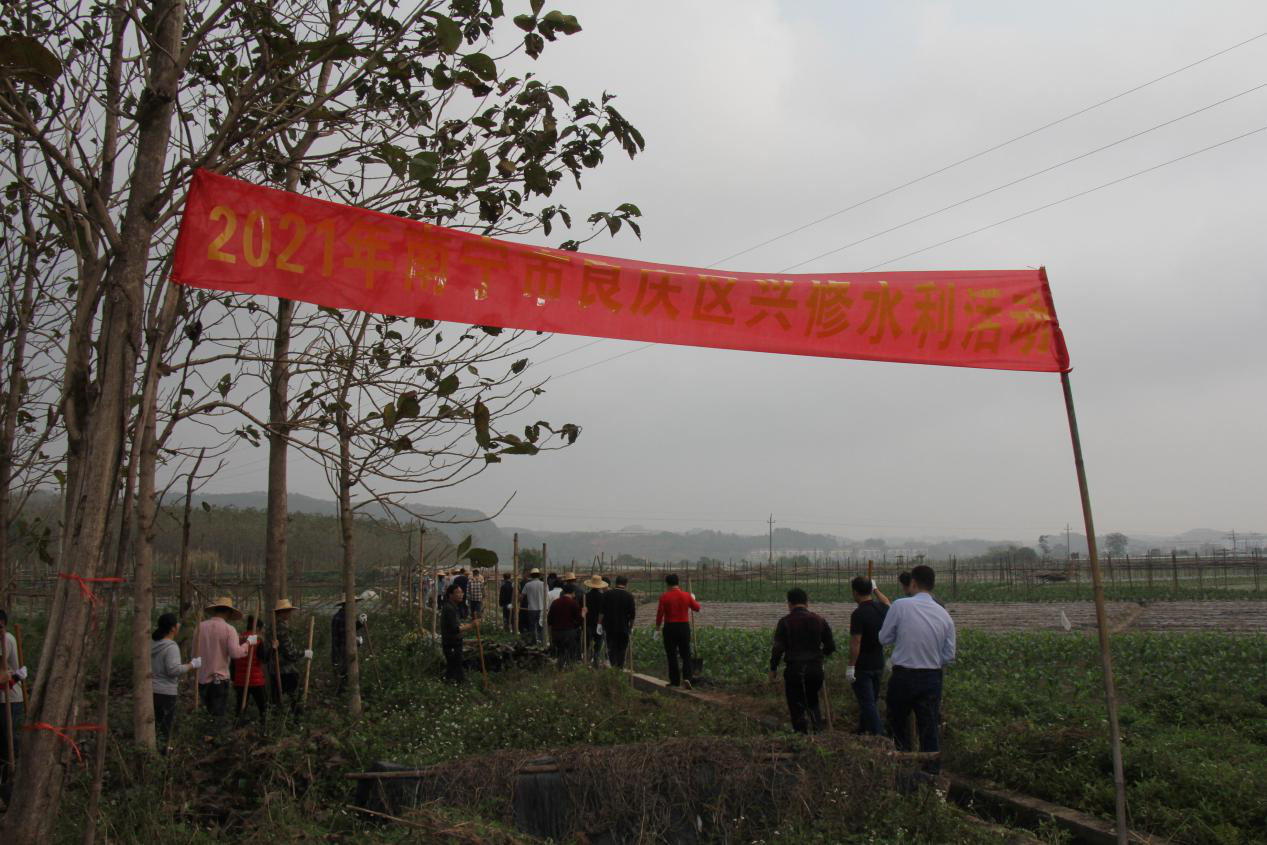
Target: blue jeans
(866, 687)
(917, 690)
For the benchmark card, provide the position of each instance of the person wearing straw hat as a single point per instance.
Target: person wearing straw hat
(338, 628)
(217, 644)
(287, 656)
(596, 589)
(534, 599)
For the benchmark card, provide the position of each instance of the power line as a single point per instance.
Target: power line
(1074, 196)
(992, 149)
(988, 226)
(1026, 178)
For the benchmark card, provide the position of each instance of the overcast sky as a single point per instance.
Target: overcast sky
(760, 116)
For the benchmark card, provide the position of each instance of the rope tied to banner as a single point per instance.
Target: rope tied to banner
(84, 582)
(63, 733)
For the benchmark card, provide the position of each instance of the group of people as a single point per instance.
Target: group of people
(918, 628)
(260, 669)
(472, 604)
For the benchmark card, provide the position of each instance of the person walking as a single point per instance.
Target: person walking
(12, 705)
(506, 600)
(565, 622)
(617, 620)
(338, 630)
(287, 656)
(248, 672)
(805, 640)
(451, 630)
(461, 579)
(217, 643)
(594, 597)
(923, 638)
(166, 668)
(475, 594)
(534, 597)
(674, 614)
(866, 655)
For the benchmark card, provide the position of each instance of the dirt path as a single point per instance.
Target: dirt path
(1238, 616)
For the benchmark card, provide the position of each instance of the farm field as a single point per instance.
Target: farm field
(288, 785)
(1026, 711)
(1243, 616)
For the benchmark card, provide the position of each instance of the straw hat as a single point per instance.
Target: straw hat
(534, 571)
(595, 582)
(569, 576)
(283, 604)
(225, 602)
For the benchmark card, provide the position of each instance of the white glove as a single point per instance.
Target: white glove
(851, 674)
(599, 630)
(362, 618)
(874, 586)
(21, 673)
(655, 635)
(693, 597)
(307, 654)
(252, 640)
(358, 640)
(195, 662)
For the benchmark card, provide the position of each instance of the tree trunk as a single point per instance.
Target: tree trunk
(349, 565)
(278, 388)
(96, 417)
(17, 363)
(186, 579)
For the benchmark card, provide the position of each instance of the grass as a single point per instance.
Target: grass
(1027, 711)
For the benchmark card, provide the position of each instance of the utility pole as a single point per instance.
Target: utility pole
(771, 540)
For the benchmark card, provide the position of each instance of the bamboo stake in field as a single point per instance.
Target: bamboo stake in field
(369, 645)
(826, 702)
(514, 608)
(422, 572)
(277, 660)
(1101, 615)
(312, 622)
(479, 641)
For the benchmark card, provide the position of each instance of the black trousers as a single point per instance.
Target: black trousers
(259, 695)
(454, 671)
(289, 690)
(529, 624)
(801, 684)
(164, 718)
(917, 690)
(567, 645)
(677, 643)
(595, 644)
(14, 711)
(215, 697)
(617, 648)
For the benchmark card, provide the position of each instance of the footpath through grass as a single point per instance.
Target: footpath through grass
(1027, 711)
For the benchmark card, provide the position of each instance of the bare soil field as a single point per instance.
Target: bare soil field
(1226, 616)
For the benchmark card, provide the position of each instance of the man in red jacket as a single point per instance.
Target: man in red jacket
(673, 613)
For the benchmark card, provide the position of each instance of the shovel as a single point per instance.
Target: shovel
(697, 662)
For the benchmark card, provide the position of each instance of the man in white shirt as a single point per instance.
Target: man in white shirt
(923, 638)
(534, 598)
(12, 674)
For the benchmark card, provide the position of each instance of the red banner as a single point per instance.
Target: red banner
(244, 238)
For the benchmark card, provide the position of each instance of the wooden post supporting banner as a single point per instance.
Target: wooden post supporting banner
(312, 622)
(1101, 616)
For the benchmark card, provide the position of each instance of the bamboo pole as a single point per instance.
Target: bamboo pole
(514, 576)
(277, 660)
(422, 572)
(1101, 616)
(369, 647)
(479, 641)
(250, 657)
(312, 623)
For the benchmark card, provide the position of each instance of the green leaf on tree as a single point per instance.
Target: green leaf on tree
(447, 385)
(483, 65)
(448, 34)
(477, 169)
(482, 422)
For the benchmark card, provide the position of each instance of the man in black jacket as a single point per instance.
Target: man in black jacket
(451, 630)
(805, 639)
(506, 598)
(617, 619)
